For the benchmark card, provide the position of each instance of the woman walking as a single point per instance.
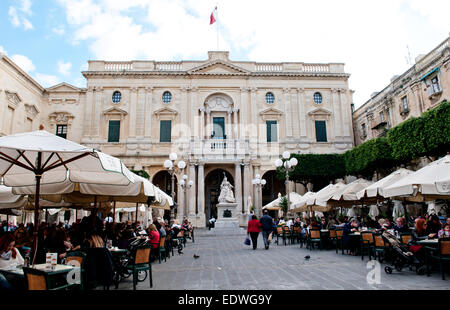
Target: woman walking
(254, 228)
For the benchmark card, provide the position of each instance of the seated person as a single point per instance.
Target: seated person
(9, 258)
(350, 242)
(444, 232)
(153, 236)
(433, 226)
(401, 226)
(323, 224)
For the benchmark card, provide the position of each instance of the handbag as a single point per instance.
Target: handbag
(270, 237)
(247, 241)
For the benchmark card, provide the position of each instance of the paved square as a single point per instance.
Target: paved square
(225, 263)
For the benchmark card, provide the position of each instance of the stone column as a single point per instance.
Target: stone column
(238, 187)
(209, 125)
(295, 111)
(140, 118)
(191, 195)
(193, 121)
(97, 111)
(244, 114)
(148, 111)
(253, 113)
(202, 123)
(132, 119)
(287, 107)
(229, 129)
(235, 125)
(247, 182)
(337, 108)
(201, 192)
(88, 112)
(346, 113)
(181, 202)
(302, 113)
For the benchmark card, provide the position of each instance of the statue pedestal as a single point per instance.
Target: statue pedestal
(226, 211)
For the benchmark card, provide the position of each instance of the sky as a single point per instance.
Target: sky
(52, 40)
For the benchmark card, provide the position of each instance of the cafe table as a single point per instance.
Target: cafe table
(60, 270)
(429, 242)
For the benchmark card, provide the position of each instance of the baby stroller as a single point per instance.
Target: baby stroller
(121, 271)
(401, 256)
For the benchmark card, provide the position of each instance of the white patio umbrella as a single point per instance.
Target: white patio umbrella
(301, 204)
(320, 201)
(275, 204)
(376, 190)
(346, 196)
(41, 158)
(429, 183)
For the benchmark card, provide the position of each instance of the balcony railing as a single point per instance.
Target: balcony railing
(218, 147)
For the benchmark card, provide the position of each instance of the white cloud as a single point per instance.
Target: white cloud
(369, 37)
(2, 50)
(47, 80)
(17, 14)
(64, 68)
(24, 63)
(59, 30)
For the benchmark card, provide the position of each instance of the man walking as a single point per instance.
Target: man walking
(267, 227)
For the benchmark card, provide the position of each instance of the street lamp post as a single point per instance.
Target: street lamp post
(259, 183)
(185, 185)
(169, 164)
(287, 165)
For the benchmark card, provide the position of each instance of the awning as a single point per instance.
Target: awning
(431, 72)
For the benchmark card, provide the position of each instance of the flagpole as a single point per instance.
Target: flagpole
(217, 16)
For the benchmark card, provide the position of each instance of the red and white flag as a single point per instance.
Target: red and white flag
(213, 17)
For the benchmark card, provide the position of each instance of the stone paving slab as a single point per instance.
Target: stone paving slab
(225, 263)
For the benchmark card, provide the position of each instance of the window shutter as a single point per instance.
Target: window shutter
(272, 134)
(165, 134)
(114, 131)
(321, 131)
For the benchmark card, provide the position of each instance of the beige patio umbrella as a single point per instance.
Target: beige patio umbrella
(41, 158)
(347, 196)
(429, 183)
(302, 204)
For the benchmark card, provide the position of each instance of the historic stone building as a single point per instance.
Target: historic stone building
(220, 116)
(422, 87)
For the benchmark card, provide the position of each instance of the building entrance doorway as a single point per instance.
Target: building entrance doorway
(212, 191)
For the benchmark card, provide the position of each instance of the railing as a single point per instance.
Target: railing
(435, 52)
(169, 66)
(316, 68)
(269, 67)
(118, 66)
(217, 147)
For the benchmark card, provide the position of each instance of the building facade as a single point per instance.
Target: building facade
(220, 116)
(421, 88)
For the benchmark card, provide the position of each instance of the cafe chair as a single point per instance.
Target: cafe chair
(80, 259)
(405, 238)
(296, 234)
(39, 280)
(380, 247)
(339, 240)
(314, 238)
(181, 237)
(287, 234)
(162, 249)
(332, 238)
(280, 234)
(441, 254)
(141, 263)
(367, 243)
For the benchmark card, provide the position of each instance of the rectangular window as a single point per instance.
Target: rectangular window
(435, 85)
(272, 134)
(363, 128)
(405, 103)
(114, 131)
(381, 117)
(61, 131)
(165, 131)
(218, 128)
(321, 131)
(29, 125)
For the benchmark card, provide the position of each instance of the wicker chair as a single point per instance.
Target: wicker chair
(332, 238)
(367, 242)
(79, 258)
(339, 240)
(280, 234)
(287, 234)
(313, 238)
(380, 247)
(39, 280)
(141, 262)
(441, 254)
(162, 249)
